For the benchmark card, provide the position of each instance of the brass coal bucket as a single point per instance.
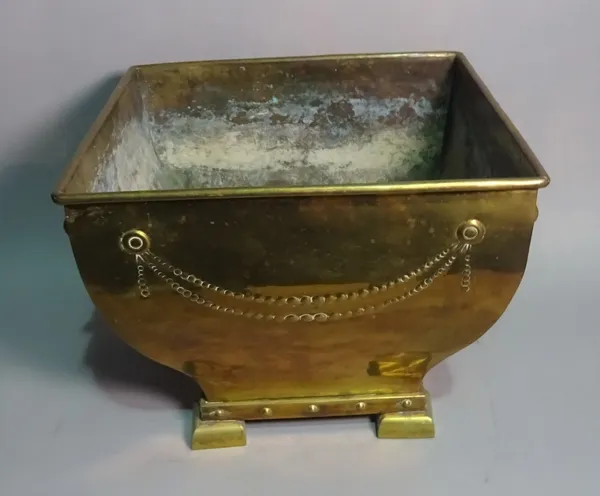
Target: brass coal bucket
(304, 237)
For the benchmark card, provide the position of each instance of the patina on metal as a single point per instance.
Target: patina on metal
(303, 237)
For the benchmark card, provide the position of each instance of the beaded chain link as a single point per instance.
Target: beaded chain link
(275, 308)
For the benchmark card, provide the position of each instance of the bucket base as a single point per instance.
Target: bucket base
(401, 416)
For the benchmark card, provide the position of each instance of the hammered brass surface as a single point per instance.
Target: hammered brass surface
(309, 245)
(312, 242)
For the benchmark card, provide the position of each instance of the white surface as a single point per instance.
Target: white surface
(81, 414)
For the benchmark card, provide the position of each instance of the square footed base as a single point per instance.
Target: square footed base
(222, 424)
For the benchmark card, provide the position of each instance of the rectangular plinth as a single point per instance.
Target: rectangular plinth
(312, 407)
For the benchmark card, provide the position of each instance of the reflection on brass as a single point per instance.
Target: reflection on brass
(401, 365)
(303, 237)
(209, 434)
(414, 424)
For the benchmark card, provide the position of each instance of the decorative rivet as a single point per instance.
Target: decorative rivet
(267, 412)
(471, 231)
(406, 403)
(134, 241)
(361, 405)
(313, 408)
(218, 413)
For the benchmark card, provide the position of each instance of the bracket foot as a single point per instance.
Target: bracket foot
(407, 425)
(210, 434)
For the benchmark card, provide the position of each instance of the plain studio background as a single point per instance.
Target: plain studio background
(80, 413)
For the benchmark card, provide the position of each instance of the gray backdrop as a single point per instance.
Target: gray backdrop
(80, 413)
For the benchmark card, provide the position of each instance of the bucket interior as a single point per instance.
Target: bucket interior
(316, 122)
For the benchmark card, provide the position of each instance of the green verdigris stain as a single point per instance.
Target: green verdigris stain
(307, 138)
